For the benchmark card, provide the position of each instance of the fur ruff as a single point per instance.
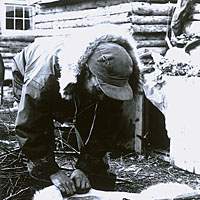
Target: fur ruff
(79, 47)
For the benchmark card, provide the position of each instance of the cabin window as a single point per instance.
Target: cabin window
(18, 17)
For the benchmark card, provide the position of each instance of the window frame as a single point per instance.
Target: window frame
(23, 18)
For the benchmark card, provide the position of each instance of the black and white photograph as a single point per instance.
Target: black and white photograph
(99, 99)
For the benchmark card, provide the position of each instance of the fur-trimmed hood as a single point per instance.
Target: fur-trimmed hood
(78, 48)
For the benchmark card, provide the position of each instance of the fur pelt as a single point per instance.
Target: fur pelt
(158, 191)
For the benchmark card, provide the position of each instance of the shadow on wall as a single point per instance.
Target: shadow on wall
(155, 128)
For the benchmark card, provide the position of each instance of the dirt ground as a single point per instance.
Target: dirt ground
(134, 172)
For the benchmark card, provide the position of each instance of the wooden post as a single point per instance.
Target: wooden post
(139, 121)
(2, 74)
(1, 100)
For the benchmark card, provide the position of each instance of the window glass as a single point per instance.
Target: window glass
(9, 11)
(9, 24)
(27, 12)
(27, 24)
(19, 12)
(19, 24)
(18, 17)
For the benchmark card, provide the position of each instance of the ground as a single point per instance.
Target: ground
(135, 172)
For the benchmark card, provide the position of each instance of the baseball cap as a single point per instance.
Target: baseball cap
(112, 66)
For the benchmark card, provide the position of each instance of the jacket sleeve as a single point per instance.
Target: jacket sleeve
(18, 66)
(34, 122)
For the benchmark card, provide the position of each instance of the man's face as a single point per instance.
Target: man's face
(92, 87)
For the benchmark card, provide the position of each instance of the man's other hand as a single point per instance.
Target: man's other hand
(63, 182)
(81, 181)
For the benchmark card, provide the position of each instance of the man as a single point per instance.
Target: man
(82, 79)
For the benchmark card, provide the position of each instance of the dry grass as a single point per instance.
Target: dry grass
(14, 180)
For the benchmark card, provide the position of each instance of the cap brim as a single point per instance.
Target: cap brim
(115, 92)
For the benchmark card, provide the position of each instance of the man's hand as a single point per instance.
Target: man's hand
(81, 181)
(64, 183)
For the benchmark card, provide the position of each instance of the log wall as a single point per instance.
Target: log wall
(148, 21)
(9, 46)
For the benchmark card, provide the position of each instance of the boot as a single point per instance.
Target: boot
(105, 181)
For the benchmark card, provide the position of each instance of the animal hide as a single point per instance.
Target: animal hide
(161, 191)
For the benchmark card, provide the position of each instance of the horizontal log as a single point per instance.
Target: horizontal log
(7, 60)
(149, 36)
(78, 5)
(151, 43)
(80, 14)
(44, 26)
(12, 48)
(50, 32)
(135, 19)
(11, 44)
(114, 19)
(49, 8)
(152, 9)
(21, 38)
(69, 31)
(8, 55)
(117, 19)
(8, 49)
(141, 31)
(149, 28)
(160, 50)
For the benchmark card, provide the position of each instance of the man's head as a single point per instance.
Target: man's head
(110, 66)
